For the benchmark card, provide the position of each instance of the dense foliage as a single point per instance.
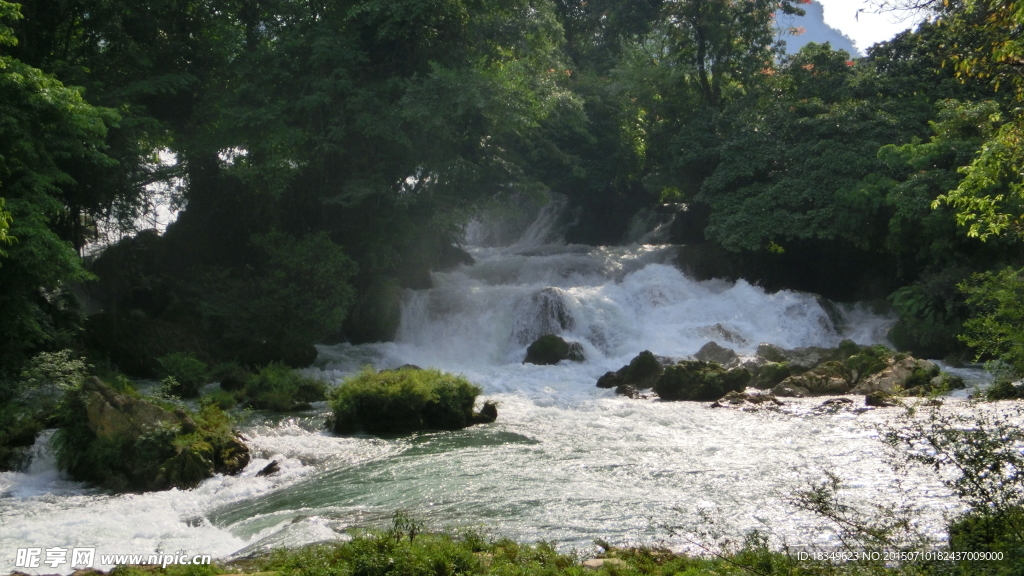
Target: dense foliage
(324, 157)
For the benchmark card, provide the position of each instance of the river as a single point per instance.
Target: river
(565, 462)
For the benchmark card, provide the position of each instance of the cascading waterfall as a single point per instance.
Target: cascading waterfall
(565, 461)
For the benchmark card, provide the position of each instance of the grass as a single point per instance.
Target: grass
(405, 400)
(398, 553)
(407, 549)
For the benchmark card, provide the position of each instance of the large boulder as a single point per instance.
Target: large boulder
(111, 415)
(802, 359)
(713, 352)
(847, 369)
(700, 381)
(551, 349)
(745, 400)
(786, 389)
(900, 375)
(124, 442)
(641, 372)
(827, 378)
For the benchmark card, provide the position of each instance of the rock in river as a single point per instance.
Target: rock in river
(551, 349)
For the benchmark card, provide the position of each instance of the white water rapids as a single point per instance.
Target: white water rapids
(565, 461)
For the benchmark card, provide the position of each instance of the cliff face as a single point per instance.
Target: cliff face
(815, 30)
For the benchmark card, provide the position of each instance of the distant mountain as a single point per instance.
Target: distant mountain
(815, 30)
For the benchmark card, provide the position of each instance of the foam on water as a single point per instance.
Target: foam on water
(565, 460)
(614, 301)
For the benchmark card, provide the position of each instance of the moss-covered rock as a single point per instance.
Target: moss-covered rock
(700, 381)
(902, 374)
(803, 359)
(742, 399)
(641, 373)
(770, 374)
(827, 378)
(870, 360)
(124, 442)
(551, 349)
(848, 368)
(405, 400)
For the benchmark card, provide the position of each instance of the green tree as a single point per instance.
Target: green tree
(792, 169)
(298, 295)
(49, 137)
(996, 330)
(724, 41)
(990, 198)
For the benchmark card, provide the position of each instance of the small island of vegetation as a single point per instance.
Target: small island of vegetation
(405, 400)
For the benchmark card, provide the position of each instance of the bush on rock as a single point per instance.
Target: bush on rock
(404, 400)
(123, 442)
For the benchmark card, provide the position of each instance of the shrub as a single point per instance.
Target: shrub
(57, 369)
(277, 387)
(221, 398)
(984, 532)
(996, 329)
(187, 374)
(18, 431)
(405, 400)
(231, 376)
(977, 457)
(1004, 389)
